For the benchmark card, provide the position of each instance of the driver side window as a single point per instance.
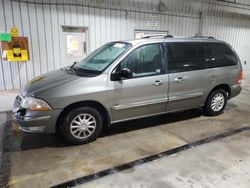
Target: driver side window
(144, 61)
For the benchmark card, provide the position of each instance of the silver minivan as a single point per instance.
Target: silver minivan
(125, 80)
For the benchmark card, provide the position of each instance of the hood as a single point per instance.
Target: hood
(46, 81)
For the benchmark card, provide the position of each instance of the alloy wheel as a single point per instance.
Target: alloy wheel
(83, 126)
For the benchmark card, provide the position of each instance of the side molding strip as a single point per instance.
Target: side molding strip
(155, 101)
(140, 103)
(191, 95)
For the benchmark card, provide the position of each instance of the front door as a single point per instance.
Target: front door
(145, 92)
(188, 78)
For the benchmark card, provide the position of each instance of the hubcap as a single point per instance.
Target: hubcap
(218, 102)
(82, 126)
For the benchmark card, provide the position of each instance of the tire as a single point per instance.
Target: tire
(76, 121)
(211, 108)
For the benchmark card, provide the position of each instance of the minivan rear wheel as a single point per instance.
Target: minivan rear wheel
(216, 102)
(82, 125)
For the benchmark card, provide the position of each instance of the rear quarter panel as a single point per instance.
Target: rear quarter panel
(223, 75)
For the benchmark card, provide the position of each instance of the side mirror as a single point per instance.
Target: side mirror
(124, 73)
(121, 74)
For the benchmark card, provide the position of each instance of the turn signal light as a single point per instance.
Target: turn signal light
(39, 108)
(240, 77)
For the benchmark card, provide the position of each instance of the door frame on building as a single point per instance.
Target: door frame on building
(68, 29)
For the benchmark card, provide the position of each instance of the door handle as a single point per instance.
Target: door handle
(157, 82)
(179, 80)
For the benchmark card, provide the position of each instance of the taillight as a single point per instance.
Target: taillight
(240, 77)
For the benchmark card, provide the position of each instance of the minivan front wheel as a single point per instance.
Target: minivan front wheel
(216, 102)
(82, 125)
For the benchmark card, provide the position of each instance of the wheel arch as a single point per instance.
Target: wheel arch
(94, 104)
(225, 87)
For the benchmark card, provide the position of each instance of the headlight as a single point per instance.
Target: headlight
(32, 103)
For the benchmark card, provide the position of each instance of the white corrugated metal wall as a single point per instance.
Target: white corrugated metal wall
(109, 20)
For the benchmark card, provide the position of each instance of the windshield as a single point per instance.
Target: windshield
(102, 57)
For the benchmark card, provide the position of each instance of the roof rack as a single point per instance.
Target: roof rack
(168, 36)
(158, 35)
(202, 36)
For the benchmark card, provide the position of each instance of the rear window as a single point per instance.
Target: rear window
(185, 56)
(219, 55)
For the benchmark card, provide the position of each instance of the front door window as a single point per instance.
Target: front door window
(144, 61)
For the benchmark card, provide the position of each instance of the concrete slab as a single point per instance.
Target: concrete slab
(224, 163)
(70, 162)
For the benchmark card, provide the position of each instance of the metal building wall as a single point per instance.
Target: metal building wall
(109, 20)
(230, 22)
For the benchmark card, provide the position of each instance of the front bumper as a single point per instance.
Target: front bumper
(35, 121)
(36, 124)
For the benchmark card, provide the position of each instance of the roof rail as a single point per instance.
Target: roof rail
(168, 36)
(202, 36)
(158, 35)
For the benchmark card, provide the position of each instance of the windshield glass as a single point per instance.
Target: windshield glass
(102, 57)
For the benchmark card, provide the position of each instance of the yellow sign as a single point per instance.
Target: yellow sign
(14, 31)
(16, 50)
(22, 57)
(74, 45)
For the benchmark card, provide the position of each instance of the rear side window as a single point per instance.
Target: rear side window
(185, 56)
(219, 55)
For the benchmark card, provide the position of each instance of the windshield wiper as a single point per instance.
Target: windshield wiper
(73, 68)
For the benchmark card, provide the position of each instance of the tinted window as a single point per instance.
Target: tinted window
(220, 54)
(144, 61)
(185, 56)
